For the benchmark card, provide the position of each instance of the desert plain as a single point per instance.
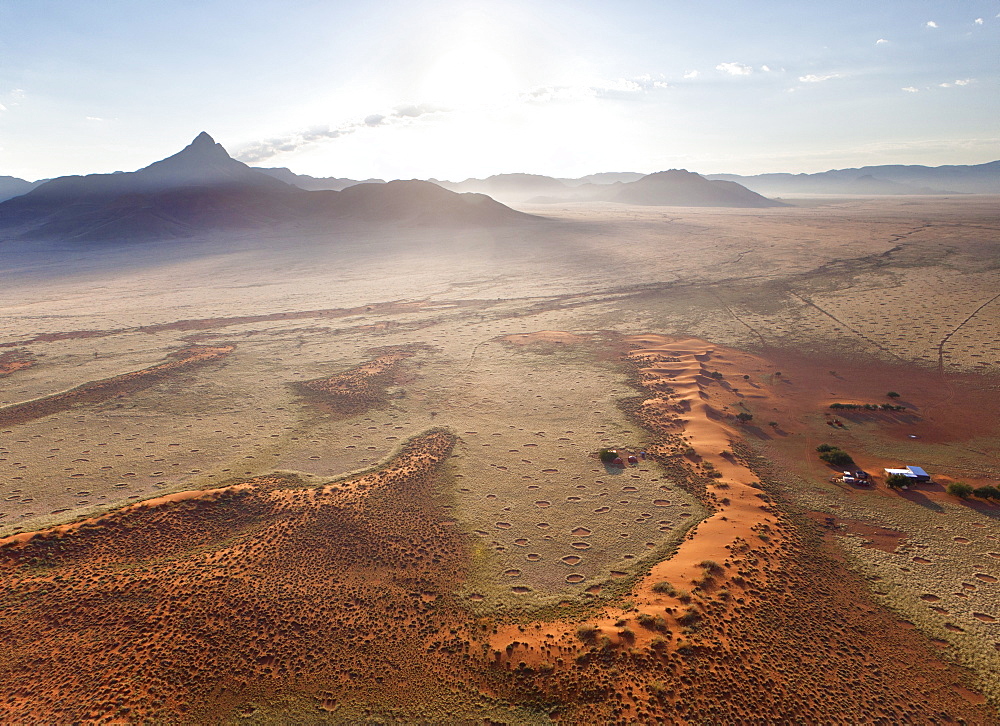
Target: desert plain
(343, 475)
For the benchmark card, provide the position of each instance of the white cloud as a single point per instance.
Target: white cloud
(944, 85)
(94, 118)
(2, 107)
(930, 24)
(964, 81)
(881, 41)
(812, 78)
(691, 74)
(978, 21)
(734, 69)
(911, 89)
(765, 69)
(267, 148)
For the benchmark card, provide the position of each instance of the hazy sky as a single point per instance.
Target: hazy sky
(453, 89)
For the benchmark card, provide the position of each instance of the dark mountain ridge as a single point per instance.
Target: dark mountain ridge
(202, 189)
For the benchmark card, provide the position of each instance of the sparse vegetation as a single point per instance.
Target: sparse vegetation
(986, 492)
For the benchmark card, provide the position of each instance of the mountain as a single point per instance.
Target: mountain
(509, 188)
(312, 183)
(202, 189)
(682, 188)
(605, 177)
(11, 186)
(890, 179)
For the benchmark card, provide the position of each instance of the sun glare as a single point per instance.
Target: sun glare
(468, 76)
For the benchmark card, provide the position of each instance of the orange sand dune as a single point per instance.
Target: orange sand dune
(751, 618)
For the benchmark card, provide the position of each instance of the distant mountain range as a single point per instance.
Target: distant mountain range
(202, 189)
(676, 187)
(891, 179)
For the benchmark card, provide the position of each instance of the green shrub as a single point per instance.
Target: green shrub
(892, 394)
(959, 489)
(837, 457)
(895, 481)
(824, 448)
(607, 455)
(986, 492)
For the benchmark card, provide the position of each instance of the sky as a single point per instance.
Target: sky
(454, 89)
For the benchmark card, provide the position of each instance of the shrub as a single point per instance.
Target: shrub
(986, 492)
(587, 632)
(837, 457)
(895, 481)
(825, 447)
(959, 489)
(664, 588)
(892, 394)
(652, 622)
(743, 417)
(607, 455)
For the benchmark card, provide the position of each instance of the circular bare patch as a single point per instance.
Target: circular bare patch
(580, 545)
(533, 557)
(984, 577)
(543, 525)
(543, 503)
(512, 573)
(475, 597)
(572, 560)
(520, 589)
(522, 542)
(618, 574)
(575, 577)
(984, 617)
(581, 532)
(930, 598)
(503, 525)
(661, 503)
(961, 540)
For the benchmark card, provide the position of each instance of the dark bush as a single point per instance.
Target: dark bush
(959, 489)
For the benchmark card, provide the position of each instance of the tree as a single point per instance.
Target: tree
(743, 417)
(960, 489)
(837, 457)
(607, 455)
(895, 481)
(892, 394)
(986, 492)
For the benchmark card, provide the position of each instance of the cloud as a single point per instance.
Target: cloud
(944, 85)
(93, 118)
(978, 21)
(930, 24)
(691, 74)
(911, 89)
(812, 78)
(267, 148)
(734, 69)
(964, 81)
(881, 41)
(765, 69)
(2, 107)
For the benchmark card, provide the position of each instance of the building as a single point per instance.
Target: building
(914, 473)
